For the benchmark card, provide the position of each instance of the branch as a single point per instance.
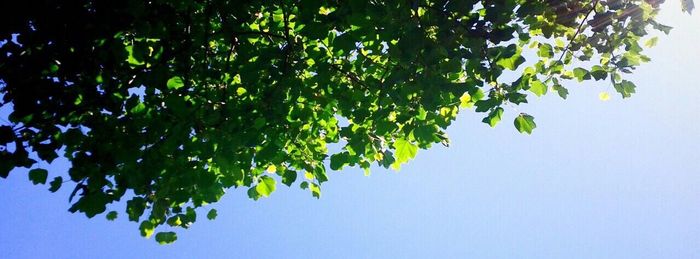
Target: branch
(578, 30)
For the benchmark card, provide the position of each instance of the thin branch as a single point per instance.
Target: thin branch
(578, 30)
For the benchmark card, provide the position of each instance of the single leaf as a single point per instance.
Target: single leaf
(289, 177)
(465, 100)
(494, 117)
(211, 215)
(134, 58)
(174, 221)
(625, 88)
(164, 238)
(604, 96)
(135, 208)
(405, 151)
(339, 160)
(175, 82)
(538, 88)
(545, 50)
(139, 108)
(651, 42)
(525, 123)
(266, 186)
(561, 91)
(581, 74)
(56, 184)
(38, 176)
(253, 193)
(598, 73)
(146, 228)
(315, 190)
(112, 215)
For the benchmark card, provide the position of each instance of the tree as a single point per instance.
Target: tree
(170, 103)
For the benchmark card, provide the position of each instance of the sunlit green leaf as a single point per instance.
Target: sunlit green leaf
(175, 82)
(266, 186)
(494, 117)
(525, 123)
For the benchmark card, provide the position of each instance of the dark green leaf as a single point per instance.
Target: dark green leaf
(166, 237)
(38, 176)
(56, 184)
(211, 215)
(112, 215)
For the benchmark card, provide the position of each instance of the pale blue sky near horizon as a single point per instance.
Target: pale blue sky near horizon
(613, 179)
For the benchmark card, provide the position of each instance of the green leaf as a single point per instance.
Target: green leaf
(561, 91)
(339, 160)
(38, 176)
(516, 97)
(525, 123)
(146, 228)
(175, 221)
(175, 82)
(581, 74)
(537, 87)
(133, 58)
(625, 88)
(211, 215)
(288, 177)
(164, 238)
(486, 105)
(651, 42)
(494, 117)
(135, 208)
(512, 62)
(405, 151)
(112, 215)
(266, 186)
(56, 184)
(465, 100)
(598, 73)
(425, 134)
(664, 28)
(545, 51)
(167, 117)
(253, 193)
(315, 190)
(139, 108)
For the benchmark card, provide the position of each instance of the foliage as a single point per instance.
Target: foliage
(170, 103)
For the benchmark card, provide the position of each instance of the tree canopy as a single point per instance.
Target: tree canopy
(167, 104)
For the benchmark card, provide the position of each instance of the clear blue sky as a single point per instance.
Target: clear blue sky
(614, 179)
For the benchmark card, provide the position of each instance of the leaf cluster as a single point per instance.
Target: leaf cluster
(168, 104)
